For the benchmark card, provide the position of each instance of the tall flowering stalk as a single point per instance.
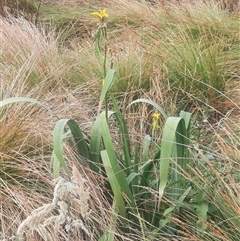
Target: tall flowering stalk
(101, 34)
(101, 39)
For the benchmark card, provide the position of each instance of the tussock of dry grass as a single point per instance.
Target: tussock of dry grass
(25, 129)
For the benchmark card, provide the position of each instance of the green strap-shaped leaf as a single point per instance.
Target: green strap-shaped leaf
(58, 147)
(124, 135)
(80, 141)
(158, 107)
(173, 141)
(108, 82)
(114, 183)
(187, 118)
(18, 99)
(122, 181)
(95, 143)
(58, 136)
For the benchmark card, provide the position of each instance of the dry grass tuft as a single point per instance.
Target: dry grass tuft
(32, 67)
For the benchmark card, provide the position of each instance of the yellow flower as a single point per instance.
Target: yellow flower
(103, 81)
(155, 121)
(101, 14)
(156, 116)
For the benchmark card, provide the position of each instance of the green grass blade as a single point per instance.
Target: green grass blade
(136, 158)
(58, 145)
(158, 107)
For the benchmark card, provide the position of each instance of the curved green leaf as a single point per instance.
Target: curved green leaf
(114, 183)
(58, 147)
(80, 141)
(158, 107)
(173, 146)
(18, 99)
(122, 181)
(95, 143)
(108, 82)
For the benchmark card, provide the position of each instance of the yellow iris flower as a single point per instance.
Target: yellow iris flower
(156, 116)
(102, 15)
(155, 120)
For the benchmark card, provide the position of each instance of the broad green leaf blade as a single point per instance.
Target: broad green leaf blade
(131, 177)
(202, 213)
(95, 143)
(109, 80)
(58, 145)
(147, 172)
(81, 143)
(18, 99)
(124, 135)
(158, 107)
(202, 210)
(173, 139)
(187, 118)
(113, 159)
(56, 166)
(114, 183)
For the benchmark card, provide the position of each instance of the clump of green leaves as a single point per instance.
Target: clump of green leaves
(134, 176)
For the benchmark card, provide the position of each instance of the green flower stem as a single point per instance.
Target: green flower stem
(104, 32)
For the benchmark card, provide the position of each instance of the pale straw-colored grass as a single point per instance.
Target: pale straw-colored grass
(31, 66)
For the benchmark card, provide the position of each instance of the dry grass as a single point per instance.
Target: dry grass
(26, 134)
(31, 67)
